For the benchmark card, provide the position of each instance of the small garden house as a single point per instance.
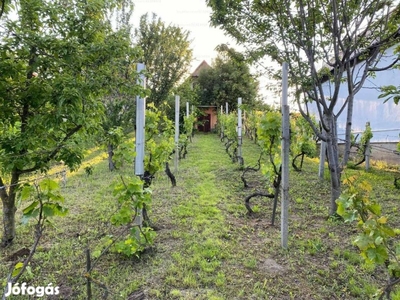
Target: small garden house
(207, 120)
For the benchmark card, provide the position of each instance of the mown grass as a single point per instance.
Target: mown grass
(207, 247)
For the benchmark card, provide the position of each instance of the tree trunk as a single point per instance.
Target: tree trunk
(334, 170)
(348, 131)
(9, 210)
(110, 150)
(295, 167)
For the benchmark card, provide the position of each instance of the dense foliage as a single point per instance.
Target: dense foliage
(57, 63)
(228, 127)
(302, 140)
(377, 239)
(166, 54)
(227, 80)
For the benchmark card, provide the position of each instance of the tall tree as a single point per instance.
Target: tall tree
(3, 6)
(227, 80)
(56, 57)
(187, 93)
(348, 37)
(166, 54)
(119, 103)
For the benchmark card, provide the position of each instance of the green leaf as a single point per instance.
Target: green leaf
(17, 269)
(96, 253)
(61, 211)
(48, 185)
(377, 255)
(134, 188)
(28, 210)
(32, 211)
(363, 242)
(397, 249)
(388, 231)
(378, 240)
(375, 209)
(27, 191)
(48, 210)
(343, 202)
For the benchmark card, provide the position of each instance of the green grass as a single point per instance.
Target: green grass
(206, 245)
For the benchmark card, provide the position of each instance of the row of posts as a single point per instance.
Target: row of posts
(285, 152)
(140, 144)
(140, 134)
(239, 127)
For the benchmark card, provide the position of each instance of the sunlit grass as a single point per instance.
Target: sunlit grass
(206, 246)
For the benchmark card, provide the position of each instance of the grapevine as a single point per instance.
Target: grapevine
(186, 137)
(361, 146)
(377, 241)
(229, 123)
(269, 133)
(302, 140)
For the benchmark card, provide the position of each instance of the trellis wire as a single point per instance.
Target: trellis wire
(63, 173)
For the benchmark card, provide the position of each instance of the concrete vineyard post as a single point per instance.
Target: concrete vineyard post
(285, 158)
(140, 138)
(239, 130)
(177, 98)
(322, 160)
(367, 150)
(222, 126)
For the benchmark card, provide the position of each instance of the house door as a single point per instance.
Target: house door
(205, 123)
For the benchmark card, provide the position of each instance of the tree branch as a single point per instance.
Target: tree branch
(3, 5)
(54, 152)
(384, 68)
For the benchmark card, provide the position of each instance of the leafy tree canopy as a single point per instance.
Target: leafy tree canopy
(227, 80)
(56, 64)
(166, 54)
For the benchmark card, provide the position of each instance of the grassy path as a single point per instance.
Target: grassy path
(206, 246)
(215, 255)
(196, 267)
(214, 251)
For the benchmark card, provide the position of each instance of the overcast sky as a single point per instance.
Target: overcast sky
(192, 15)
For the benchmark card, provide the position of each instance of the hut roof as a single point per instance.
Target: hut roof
(202, 66)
